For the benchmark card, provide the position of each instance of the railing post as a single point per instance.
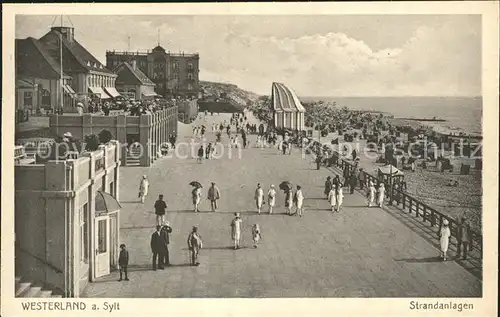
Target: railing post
(417, 206)
(424, 213)
(404, 201)
(433, 218)
(410, 201)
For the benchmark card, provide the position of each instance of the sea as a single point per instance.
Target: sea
(462, 114)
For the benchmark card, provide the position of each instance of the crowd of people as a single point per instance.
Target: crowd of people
(238, 127)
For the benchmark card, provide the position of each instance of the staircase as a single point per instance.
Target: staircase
(28, 289)
(133, 156)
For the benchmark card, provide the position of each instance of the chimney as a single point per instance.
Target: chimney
(134, 64)
(67, 32)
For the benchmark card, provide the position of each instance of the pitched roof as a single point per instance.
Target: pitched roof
(136, 73)
(33, 60)
(82, 56)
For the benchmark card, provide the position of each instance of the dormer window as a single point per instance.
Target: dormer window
(95, 65)
(88, 64)
(100, 66)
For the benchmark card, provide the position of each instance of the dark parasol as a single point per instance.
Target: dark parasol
(196, 184)
(286, 185)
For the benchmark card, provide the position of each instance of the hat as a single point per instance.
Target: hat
(237, 214)
(445, 222)
(272, 186)
(122, 245)
(195, 228)
(68, 135)
(167, 223)
(144, 176)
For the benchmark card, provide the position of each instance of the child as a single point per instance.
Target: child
(123, 262)
(194, 245)
(256, 235)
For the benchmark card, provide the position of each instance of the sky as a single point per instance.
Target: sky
(320, 55)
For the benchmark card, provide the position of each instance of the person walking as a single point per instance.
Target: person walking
(143, 188)
(123, 262)
(213, 196)
(381, 195)
(158, 248)
(299, 201)
(328, 187)
(463, 237)
(195, 243)
(160, 210)
(256, 234)
(352, 183)
(361, 178)
(332, 199)
(236, 230)
(444, 238)
(288, 201)
(166, 231)
(371, 194)
(208, 149)
(339, 197)
(259, 198)
(200, 154)
(196, 195)
(271, 198)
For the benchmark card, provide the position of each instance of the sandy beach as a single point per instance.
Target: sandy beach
(430, 185)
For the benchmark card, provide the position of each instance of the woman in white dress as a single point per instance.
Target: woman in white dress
(259, 198)
(236, 230)
(299, 201)
(444, 238)
(271, 198)
(332, 199)
(339, 197)
(372, 193)
(381, 195)
(143, 188)
(196, 193)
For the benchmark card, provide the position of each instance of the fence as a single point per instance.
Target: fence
(413, 206)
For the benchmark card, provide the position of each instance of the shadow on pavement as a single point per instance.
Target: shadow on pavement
(422, 260)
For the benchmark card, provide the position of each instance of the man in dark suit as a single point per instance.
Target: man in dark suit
(123, 262)
(158, 248)
(166, 231)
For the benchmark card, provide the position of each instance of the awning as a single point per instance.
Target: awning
(105, 203)
(112, 92)
(98, 91)
(69, 90)
(149, 94)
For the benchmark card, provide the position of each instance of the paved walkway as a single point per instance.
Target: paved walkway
(359, 252)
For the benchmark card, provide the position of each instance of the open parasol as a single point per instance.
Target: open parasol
(196, 184)
(286, 185)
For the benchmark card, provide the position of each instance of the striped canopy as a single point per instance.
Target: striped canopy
(284, 99)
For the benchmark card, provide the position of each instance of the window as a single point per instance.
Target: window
(175, 66)
(45, 97)
(84, 234)
(190, 66)
(176, 75)
(190, 87)
(102, 236)
(112, 189)
(190, 76)
(28, 98)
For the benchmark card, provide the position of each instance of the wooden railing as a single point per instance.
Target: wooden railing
(405, 202)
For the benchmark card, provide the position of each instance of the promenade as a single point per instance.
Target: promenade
(359, 252)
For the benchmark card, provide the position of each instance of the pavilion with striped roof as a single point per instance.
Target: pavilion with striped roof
(288, 112)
